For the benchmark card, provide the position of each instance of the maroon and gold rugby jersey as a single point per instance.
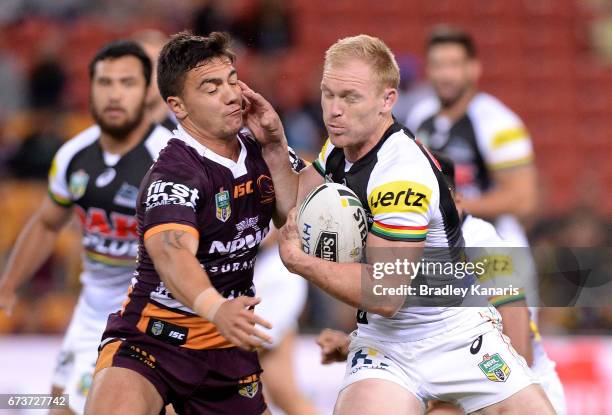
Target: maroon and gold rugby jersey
(227, 205)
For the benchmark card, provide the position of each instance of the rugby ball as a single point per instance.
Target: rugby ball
(333, 224)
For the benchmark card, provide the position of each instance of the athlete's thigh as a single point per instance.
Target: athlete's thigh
(119, 391)
(532, 400)
(377, 396)
(443, 408)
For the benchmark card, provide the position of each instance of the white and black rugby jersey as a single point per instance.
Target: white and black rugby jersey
(406, 198)
(103, 189)
(488, 138)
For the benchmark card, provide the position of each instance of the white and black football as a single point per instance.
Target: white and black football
(333, 224)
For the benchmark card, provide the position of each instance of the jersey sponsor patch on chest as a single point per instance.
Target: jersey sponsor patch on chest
(399, 196)
(162, 193)
(248, 241)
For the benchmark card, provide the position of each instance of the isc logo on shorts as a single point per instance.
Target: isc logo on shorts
(167, 332)
(400, 196)
(170, 193)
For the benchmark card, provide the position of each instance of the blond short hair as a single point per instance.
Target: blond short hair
(369, 49)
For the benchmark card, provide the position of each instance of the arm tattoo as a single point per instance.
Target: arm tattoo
(173, 239)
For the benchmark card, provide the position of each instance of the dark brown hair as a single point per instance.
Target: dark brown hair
(184, 52)
(449, 34)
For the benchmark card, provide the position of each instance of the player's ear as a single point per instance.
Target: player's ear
(177, 106)
(389, 99)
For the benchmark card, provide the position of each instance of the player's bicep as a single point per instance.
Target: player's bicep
(389, 267)
(383, 250)
(309, 178)
(517, 179)
(164, 242)
(54, 216)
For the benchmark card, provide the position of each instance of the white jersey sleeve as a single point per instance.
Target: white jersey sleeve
(501, 136)
(59, 188)
(402, 191)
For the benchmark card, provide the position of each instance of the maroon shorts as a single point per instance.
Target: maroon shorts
(212, 381)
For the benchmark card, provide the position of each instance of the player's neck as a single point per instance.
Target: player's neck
(227, 147)
(459, 107)
(121, 146)
(354, 153)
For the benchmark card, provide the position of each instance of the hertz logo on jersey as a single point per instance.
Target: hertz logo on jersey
(400, 196)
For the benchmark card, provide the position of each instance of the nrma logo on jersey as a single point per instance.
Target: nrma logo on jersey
(247, 241)
(400, 196)
(169, 193)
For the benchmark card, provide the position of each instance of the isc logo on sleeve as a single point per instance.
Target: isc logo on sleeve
(400, 196)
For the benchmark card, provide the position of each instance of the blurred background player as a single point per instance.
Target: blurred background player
(482, 241)
(95, 175)
(487, 142)
(152, 41)
(283, 296)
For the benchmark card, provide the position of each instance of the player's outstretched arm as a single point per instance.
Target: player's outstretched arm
(265, 124)
(34, 245)
(173, 253)
(353, 283)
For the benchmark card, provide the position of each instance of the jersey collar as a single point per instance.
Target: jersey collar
(237, 168)
(393, 128)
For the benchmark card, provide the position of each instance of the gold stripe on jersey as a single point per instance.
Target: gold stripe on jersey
(509, 135)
